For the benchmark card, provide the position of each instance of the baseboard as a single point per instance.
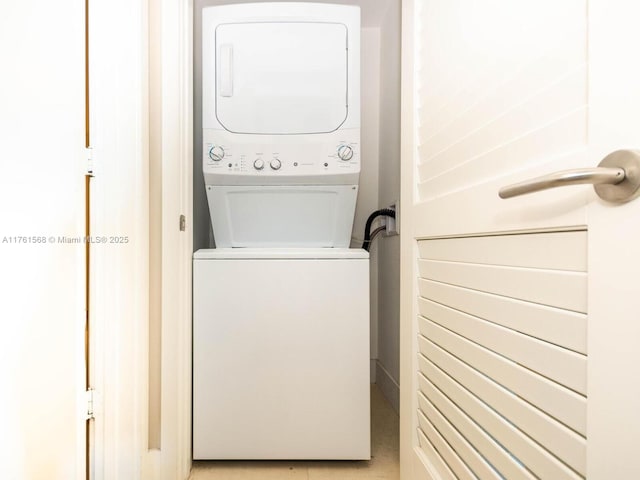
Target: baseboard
(388, 386)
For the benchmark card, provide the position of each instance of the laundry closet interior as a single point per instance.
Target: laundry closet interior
(302, 227)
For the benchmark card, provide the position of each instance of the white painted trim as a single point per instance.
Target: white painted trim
(613, 424)
(119, 92)
(176, 34)
(120, 98)
(388, 386)
(414, 464)
(79, 343)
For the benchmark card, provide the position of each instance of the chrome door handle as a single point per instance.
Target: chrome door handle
(616, 179)
(595, 176)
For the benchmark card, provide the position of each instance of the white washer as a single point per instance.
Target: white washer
(281, 354)
(281, 123)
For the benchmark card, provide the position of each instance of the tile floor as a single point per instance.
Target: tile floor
(384, 464)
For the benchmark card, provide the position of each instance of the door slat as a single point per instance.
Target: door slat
(434, 458)
(449, 452)
(566, 444)
(557, 326)
(561, 365)
(478, 464)
(552, 251)
(436, 406)
(530, 453)
(562, 289)
(559, 402)
(543, 107)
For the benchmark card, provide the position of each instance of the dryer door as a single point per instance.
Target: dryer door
(281, 77)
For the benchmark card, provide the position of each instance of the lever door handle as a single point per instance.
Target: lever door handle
(616, 179)
(595, 176)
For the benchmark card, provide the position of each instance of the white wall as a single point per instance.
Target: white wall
(388, 371)
(368, 190)
(369, 130)
(202, 237)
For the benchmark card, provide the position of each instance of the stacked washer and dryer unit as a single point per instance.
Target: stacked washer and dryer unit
(281, 324)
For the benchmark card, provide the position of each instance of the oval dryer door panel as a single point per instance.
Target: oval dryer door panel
(281, 77)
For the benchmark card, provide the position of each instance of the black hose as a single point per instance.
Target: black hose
(378, 230)
(387, 212)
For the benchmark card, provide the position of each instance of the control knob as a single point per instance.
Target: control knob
(258, 164)
(345, 152)
(275, 164)
(216, 153)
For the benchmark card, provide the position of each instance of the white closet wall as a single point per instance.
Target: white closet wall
(388, 371)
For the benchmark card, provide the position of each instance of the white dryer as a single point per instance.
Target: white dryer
(281, 123)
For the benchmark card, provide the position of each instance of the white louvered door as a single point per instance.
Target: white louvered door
(520, 341)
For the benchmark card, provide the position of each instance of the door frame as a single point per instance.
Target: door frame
(176, 137)
(120, 95)
(408, 268)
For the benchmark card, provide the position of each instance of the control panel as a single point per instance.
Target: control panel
(294, 155)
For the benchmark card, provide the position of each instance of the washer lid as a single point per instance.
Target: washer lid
(281, 77)
(280, 253)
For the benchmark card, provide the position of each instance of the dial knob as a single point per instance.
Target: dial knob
(345, 152)
(275, 164)
(258, 164)
(216, 153)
